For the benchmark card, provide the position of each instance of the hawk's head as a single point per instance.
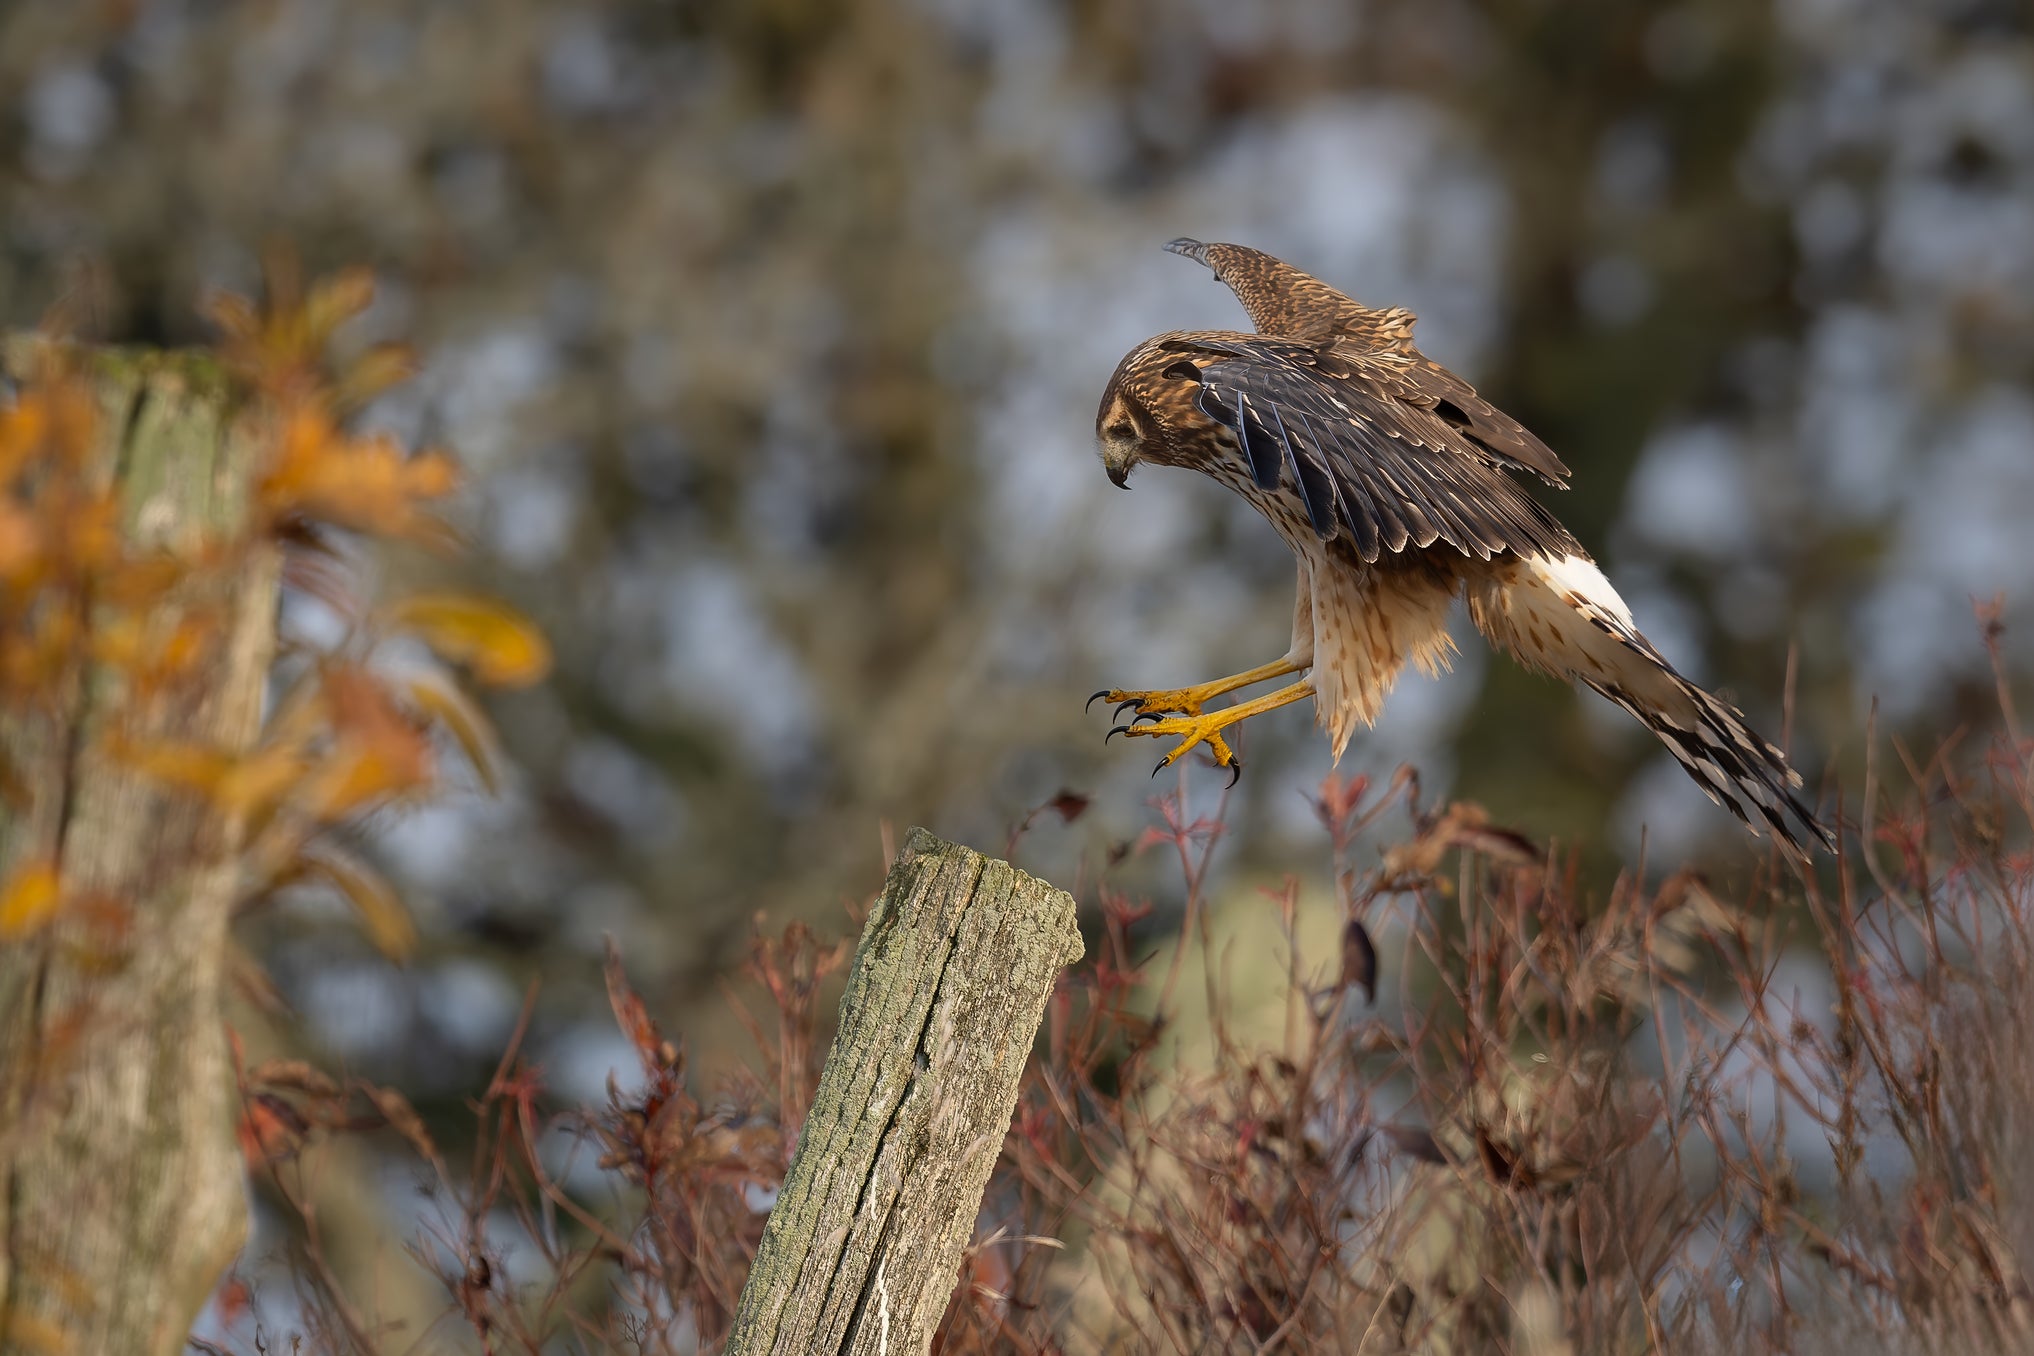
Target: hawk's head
(1147, 412)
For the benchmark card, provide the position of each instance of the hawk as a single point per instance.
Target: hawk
(1392, 482)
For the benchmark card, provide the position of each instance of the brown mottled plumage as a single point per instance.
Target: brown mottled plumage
(1389, 477)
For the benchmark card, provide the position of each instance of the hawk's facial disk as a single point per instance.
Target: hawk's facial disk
(1120, 433)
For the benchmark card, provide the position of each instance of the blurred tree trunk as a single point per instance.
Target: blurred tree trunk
(123, 1196)
(950, 980)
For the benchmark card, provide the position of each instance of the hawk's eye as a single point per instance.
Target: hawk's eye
(1182, 371)
(1120, 432)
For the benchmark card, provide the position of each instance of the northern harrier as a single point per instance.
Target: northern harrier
(1390, 479)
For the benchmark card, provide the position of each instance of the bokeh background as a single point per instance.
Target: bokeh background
(772, 334)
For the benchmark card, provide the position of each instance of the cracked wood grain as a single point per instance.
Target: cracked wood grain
(121, 1188)
(864, 1245)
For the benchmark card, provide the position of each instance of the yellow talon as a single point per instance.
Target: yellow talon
(1187, 701)
(1196, 728)
(1192, 729)
(1184, 701)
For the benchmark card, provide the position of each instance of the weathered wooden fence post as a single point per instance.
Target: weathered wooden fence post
(121, 1190)
(949, 983)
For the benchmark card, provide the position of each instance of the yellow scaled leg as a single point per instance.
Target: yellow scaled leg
(1187, 701)
(1206, 728)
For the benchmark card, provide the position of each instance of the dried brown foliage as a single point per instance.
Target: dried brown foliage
(1501, 1114)
(1779, 1117)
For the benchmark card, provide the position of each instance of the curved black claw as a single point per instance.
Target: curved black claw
(1161, 766)
(1151, 716)
(1097, 697)
(1121, 707)
(1235, 772)
(1120, 729)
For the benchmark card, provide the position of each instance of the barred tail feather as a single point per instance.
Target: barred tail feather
(1563, 617)
(1733, 766)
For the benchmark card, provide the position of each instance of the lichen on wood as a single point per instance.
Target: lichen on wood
(949, 983)
(121, 1190)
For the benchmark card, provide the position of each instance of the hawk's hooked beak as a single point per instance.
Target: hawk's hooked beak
(1117, 461)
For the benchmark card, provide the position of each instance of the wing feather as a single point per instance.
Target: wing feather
(1360, 458)
(1352, 502)
(1259, 444)
(1287, 304)
(1310, 472)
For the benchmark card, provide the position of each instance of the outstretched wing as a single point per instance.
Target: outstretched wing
(1285, 303)
(1391, 474)
(1282, 301)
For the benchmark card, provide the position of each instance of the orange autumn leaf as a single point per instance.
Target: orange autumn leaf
(362, 777)
(335, 300)
(28, 900)
(23, 426)
(31, 665)
(54, 419)
(456, 713)
(34, 1333)
(153, 652)
(492, 639)
(381, 910)
(21, 546)
(369, 484)
(379, 752)
(238, 785)
(144, 580)
(375, 371)
(184, 646)
(234, 315)
(82, 533)
(270, 1129)
(120, 642)
(279, 345)
(258, 781)
(190, 766)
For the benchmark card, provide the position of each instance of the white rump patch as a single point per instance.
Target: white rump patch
(1578, 575)
(1563, 617)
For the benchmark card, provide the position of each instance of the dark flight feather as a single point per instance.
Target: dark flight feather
(1285, 303)
(1309, 468)
(1259, 445)
(1394, 475)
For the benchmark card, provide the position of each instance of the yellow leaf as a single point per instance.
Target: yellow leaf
(360, 776)
(261, 779)
(141, 582)
(376, 370)
(237, 785)
(29, 1332)
(380, 751)
(491, 638)
(337, 299)
(235, 315)
(23, 426)
(28, 900)
(381, 910)
(370, 484)
(118, 642)
(452, 709)
(191, 766)
(21, 546)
